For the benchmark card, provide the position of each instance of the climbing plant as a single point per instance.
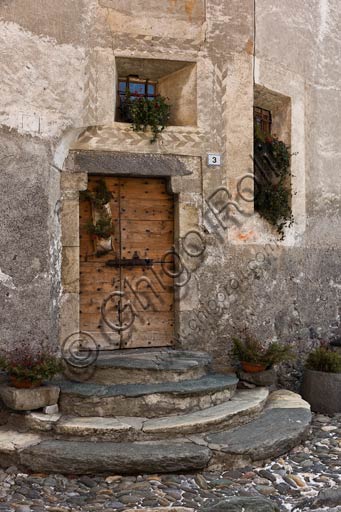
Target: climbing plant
(272, 174)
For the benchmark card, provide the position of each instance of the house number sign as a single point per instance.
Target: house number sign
(213, 159)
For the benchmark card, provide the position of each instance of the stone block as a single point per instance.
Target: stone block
(267, 378)
(51, 409)
(40, 421)
(69, 315)
(70, 222)
(74, 181)
(29, 399)
(86, 457)
(12, 441)
(70, 269)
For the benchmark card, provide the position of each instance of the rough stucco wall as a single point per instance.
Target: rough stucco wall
(26, 277)
(43, 80)
(296, 295)
(314, 55)
(57, 67)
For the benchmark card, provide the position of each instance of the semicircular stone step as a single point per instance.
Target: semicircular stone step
(141, 366)
(284, 422)
(146, 400)
(243, 407)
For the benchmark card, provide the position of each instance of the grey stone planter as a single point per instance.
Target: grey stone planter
(29, 399)
(322, 390)
(267, 378)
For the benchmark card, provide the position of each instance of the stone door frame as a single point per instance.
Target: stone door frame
(184, 174)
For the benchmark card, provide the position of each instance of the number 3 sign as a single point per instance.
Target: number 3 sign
(213, 159)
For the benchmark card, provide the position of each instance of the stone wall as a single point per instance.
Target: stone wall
(58, 78)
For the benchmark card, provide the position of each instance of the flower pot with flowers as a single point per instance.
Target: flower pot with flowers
(27, 371)
(144, 112)
(255, 357)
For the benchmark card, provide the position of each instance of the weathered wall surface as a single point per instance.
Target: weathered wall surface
(42, 95)
(27, 279)
(58, 75)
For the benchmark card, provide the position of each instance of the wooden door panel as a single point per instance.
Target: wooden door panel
(149, 329)
(146, 209)
(149, 301)
(142, 214)
(143, 188)
(140, 279)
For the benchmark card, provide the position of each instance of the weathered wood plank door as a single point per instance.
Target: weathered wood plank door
(126, 294)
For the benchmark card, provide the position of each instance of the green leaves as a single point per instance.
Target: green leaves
(252, 351)
(33, 368)
(100, 197)
(103, 228)
(272, 172)
(324, 360)
(144, 112)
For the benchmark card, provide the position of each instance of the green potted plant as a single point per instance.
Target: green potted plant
(321, 385)
(254, 357)
(29, 370)
(143, 112)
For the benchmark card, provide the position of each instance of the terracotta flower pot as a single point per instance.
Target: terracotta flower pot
(23, 384)
(252, 367)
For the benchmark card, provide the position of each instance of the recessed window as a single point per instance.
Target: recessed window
(272, 129)
(172, 79)
(262, 119)
(136, 88)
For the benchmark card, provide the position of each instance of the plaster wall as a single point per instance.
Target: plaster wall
(57, 82)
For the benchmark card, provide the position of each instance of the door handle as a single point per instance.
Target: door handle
(135, 261)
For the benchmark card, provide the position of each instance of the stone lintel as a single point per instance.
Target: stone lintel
(128, 164)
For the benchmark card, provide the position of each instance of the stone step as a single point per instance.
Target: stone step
(242, 408)
(114, 458)
(283, 424)
(146, 400)
(142, 366)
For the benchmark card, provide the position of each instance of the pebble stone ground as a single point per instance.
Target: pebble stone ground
(293, 481)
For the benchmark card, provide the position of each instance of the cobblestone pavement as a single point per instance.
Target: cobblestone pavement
(293, 481)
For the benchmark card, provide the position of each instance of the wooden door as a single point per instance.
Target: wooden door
(126, 294)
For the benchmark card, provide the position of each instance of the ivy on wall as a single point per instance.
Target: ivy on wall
(272, 175)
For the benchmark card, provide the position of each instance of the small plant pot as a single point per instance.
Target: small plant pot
(23, 384)
(322, 390)
(252, 367)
